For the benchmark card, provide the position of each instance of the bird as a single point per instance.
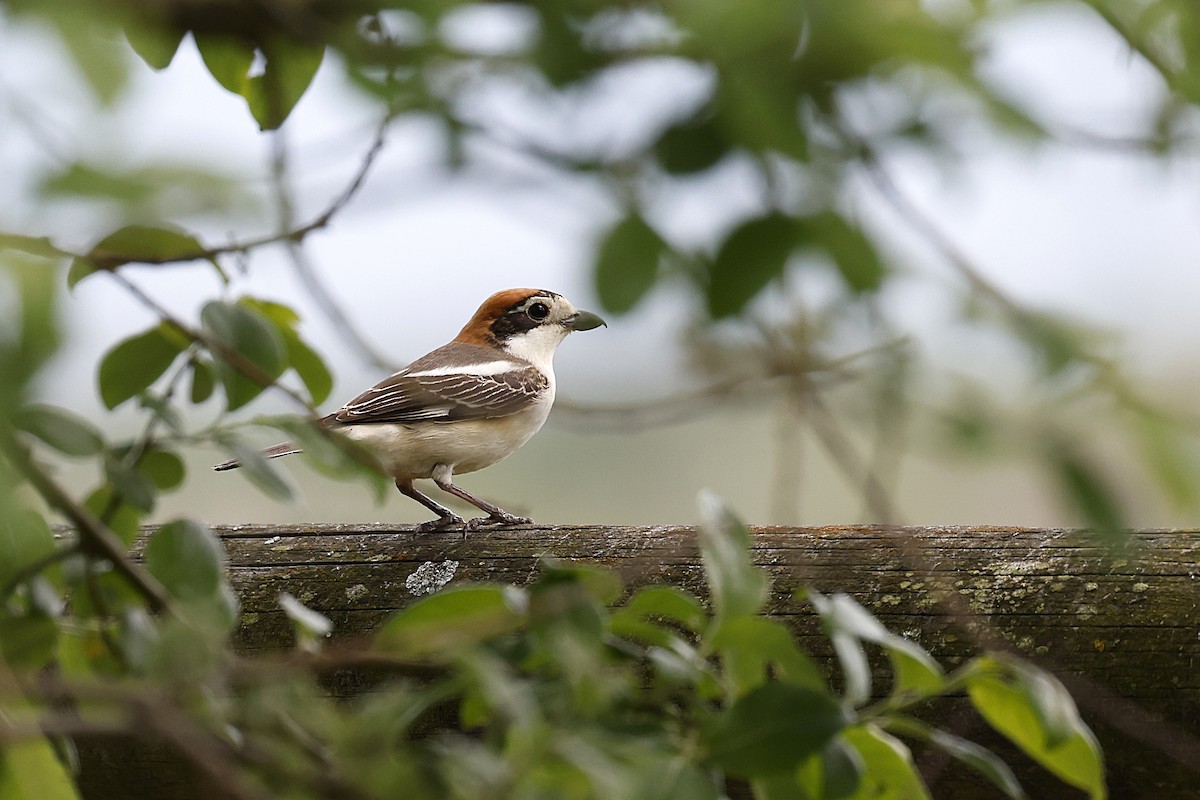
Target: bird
(466, 405)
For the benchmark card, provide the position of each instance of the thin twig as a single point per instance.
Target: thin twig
(302, 264)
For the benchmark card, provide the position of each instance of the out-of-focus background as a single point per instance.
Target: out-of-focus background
(1038, 190)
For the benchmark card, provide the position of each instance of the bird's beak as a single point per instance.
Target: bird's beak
(584, 321)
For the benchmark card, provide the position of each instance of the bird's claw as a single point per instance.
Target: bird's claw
(503, 518)
(440, 524)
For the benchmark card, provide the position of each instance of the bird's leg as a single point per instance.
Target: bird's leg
(496, 515)
(446, 517)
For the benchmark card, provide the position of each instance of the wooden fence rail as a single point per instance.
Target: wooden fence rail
(1122, 629)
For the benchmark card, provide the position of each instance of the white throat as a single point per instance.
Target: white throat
(537, 346)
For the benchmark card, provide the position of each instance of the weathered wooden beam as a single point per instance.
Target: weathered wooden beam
(1120, 628)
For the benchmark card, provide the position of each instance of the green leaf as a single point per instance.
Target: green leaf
(29, 770)
(28, 642)
(135, 364)
(854, 254)
(64, 431)
(202, 381)
(669, 603)
(259, 470)
(185, 556)
(162, 467)
(888, 768)
(228, 59)
(302, 358)
(136, 244)
(310, 367)
(122, 517)
(288, 70)
(627, 261)
(1035, 712)
(980, 759)
(249, 334)
(753, 648)
(752, 256)
(773, 729)
(691, 146)
(40, 246)
(442, 624)
(155, 45)
(25, 537)
(735, 585)
(840, 770)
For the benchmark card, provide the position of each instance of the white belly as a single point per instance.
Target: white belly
(412, 451)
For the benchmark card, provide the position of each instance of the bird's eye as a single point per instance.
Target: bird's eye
(538, 311)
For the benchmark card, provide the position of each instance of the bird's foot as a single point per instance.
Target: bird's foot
(493, 520)
(440, 524)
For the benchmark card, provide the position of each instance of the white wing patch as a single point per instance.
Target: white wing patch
(485, 368)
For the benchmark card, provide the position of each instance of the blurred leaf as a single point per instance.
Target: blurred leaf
(752, 256)
(310, 626)
(302, 358)
(156, 45)
(136, 244)
(772, 729)
(980, 759)
(185, 556)
(735, 585)
(162, 467)
(1033, 710)
(915, 671)
(122, 517)
(843, 628)
(691, 146)
(310, 367)
(854, 254)
(33, 245)
(840, 771)
(131, 484)
(627, 263)
(135, 364)
(440, 625)
(889, 770)
(259, 470)
(61, 429)
(202, 381)
(668, 603)
(92, 41)
(754, 648)
(247, 333)
(30, 770)
(1086, 490)
(334, 454)
(28, 642)
(25, 537)
(287, 72)
(228, 59)
(1167, 451)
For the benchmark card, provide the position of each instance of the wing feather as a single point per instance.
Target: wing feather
(447, 395)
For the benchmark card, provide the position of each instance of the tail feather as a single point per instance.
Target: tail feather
(275, 451)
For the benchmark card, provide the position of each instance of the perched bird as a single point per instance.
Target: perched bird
(467, 404)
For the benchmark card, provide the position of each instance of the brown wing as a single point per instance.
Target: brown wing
(447, 395)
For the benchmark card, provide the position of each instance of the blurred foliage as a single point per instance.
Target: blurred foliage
(553, 691)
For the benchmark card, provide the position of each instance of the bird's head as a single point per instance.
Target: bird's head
(527, 323)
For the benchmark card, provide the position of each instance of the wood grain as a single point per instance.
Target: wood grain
(1121, 628)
